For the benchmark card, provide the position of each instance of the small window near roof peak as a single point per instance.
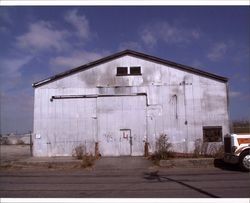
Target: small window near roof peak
(135, 70)
(122, 71)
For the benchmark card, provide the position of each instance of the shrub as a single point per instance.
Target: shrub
(81, 154)
(79, 151)
(163, 148)
(87, 160)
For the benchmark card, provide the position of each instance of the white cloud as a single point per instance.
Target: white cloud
(80, 23)
(234, 94)
(149, 38)
(12, 66)
(168, 33)
(10, 74)
(217, 51)
(242, 96)
(43, 36)
(77, 58)
(129, 45)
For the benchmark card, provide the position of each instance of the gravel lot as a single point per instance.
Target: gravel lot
(10, 153)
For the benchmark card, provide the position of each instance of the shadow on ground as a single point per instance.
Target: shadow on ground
(164, 178)
(219, 163)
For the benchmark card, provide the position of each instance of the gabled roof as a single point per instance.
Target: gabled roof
(135, 54)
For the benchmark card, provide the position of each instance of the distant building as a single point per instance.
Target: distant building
(117, 104)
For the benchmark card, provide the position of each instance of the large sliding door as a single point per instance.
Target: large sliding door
(121, 125)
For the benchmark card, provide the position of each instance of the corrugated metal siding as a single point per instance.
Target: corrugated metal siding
(117, 113)
(178, 104)
(64, 125)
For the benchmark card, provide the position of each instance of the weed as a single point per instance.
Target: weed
(205, 149)
(87, 160)
(163, 149)
(79, 151)
(219, 153)
(81, 154)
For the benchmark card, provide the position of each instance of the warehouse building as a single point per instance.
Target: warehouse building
(120, 105)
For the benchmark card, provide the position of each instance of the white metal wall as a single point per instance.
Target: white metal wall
(64, 125)
(179, 104)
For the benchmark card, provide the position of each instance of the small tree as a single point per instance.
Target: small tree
(163, 148)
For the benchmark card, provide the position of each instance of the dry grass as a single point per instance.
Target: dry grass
(80, 153)
(88, 160)
(241, 126)
(205, 149)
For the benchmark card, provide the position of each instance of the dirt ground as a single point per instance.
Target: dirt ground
(10, 153)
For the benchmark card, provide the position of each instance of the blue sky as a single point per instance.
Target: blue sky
(37, 42)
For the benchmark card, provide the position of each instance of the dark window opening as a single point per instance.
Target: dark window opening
(122, 71)
(135, 70)
(212, 134)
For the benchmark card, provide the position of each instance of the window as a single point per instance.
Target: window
(122, 71)
(135, 70)
(212, 134)
(125, 71)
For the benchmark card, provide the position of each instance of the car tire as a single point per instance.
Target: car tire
(244, 161)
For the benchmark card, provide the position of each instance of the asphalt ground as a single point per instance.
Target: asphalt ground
(125, 178)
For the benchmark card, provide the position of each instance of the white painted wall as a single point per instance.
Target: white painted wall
(171, 108)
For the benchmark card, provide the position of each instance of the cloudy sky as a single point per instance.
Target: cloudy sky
(37, 42)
